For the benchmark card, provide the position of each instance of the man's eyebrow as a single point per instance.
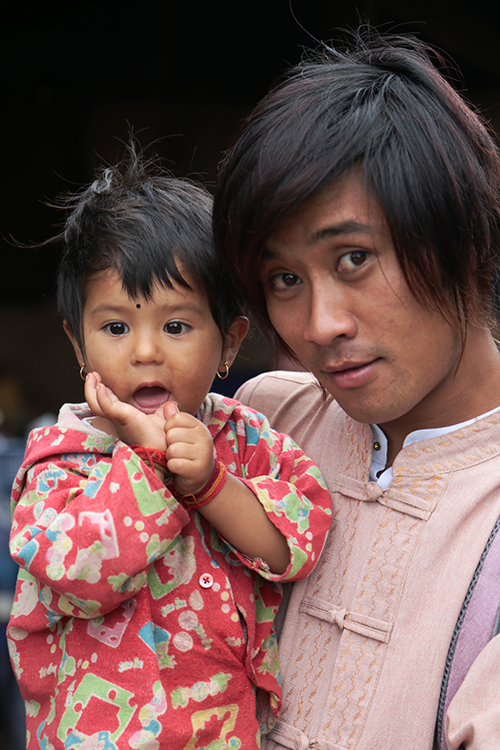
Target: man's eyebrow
(335, 230)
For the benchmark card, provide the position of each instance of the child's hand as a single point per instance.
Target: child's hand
(123, 420)
(190, 450)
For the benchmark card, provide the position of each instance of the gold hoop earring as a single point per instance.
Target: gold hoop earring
(223, 377)
(83, 374)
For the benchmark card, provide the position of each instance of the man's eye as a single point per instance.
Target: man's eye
(284, 281)
(352, 261)
(175, 328)
(117, 329)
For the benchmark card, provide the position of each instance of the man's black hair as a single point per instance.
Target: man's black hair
(380, 106)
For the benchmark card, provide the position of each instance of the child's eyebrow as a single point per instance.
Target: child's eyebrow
(106, 309)
(175, 309)
(118, 310)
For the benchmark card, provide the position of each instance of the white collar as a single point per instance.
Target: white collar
(379, 453)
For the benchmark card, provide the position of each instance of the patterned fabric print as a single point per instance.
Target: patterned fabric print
(134, 624)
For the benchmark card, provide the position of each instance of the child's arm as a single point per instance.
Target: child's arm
(89, 519)
(240, 518)
(279, 512)
(235, 511)
(285, 481)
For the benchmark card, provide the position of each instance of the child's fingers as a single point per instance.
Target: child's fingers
(190, 476)
(181, 467)
(191, 427)
(91, 385)
(170, 408)
(108, 405)
(188, 435)
(190, 451)
(108, 402)
(125, 421)
(190, 454)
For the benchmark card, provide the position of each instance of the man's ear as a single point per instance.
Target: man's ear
(232, 341)
(74, 342)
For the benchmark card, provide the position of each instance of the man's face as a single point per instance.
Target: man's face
(336, 294)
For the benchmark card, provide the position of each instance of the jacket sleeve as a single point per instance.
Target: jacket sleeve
(472, 721)
(72, 530)
(288, 485)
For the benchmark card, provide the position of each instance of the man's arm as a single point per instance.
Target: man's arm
(473, 717)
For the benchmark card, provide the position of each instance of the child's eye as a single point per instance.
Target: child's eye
(116, 328)
(175, 328)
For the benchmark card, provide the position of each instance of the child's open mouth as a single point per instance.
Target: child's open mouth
(149, 398)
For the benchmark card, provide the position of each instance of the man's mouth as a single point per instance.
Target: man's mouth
(149, 398)
(345, 367)
(351, 374)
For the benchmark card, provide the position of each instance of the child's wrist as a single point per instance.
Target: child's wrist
(210, 489)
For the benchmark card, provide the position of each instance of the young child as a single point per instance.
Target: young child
(152, 523)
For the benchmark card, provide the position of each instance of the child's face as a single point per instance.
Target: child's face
(150, 352)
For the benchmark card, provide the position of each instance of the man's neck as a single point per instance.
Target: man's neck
(473, 390)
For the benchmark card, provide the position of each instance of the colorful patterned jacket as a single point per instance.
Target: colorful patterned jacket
(134, 624)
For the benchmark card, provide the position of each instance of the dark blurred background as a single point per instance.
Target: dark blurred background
(74, 76)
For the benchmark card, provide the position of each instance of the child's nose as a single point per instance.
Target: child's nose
(147, 350)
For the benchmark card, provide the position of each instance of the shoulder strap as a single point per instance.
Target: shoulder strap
(478, 622)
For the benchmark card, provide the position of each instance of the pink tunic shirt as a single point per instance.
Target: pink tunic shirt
(366, 637)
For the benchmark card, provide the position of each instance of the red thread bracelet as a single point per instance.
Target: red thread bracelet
(212, 488)
(154, 457)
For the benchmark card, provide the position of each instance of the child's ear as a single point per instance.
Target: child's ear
(232, 342)
(76, 345)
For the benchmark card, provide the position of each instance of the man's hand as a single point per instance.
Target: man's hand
(123, 420)
(190, 450)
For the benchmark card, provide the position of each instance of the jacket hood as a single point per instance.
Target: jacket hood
(75, 433)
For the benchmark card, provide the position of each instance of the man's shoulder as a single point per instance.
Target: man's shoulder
(275, 381)
(266, 392)
(292, 401)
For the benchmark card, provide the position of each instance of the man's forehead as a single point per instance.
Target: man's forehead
(344, 208)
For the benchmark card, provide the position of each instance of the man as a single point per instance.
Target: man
(366, 193)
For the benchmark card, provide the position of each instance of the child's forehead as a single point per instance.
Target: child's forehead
(109, 288)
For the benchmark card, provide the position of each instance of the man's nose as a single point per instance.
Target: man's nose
(330, 315)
